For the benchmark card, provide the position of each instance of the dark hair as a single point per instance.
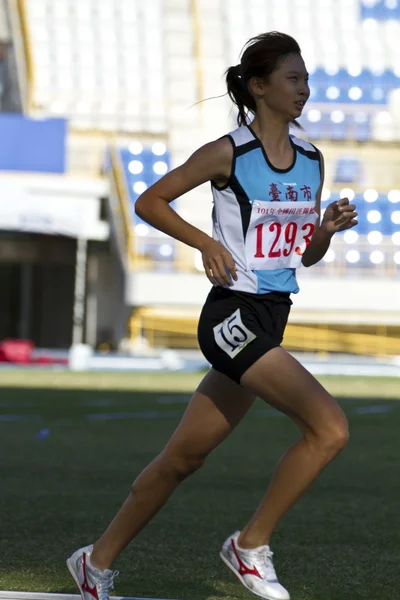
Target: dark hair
(262, 56)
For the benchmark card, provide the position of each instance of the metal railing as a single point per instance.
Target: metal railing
(177, 328)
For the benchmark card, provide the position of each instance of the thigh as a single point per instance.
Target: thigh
(216, 408)
(283, 382)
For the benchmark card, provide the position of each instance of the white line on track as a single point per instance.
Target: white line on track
(173, 399)
(372, 410)
(44, 596)
(149, 414)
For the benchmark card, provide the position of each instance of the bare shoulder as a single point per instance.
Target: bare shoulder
(211, 162)
(214, 158)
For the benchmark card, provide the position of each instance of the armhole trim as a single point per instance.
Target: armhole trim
(233, 166)
(319, 158)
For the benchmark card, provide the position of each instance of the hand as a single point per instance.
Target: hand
(218, 263)
(339, 216)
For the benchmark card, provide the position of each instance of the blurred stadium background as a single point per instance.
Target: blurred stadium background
(100, 98)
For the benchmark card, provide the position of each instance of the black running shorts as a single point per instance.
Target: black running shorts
(237, 328)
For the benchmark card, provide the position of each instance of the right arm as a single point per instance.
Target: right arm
(211, 162)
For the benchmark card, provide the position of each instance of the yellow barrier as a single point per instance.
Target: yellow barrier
(30, 75)
(196, 22)
(324, 339)
(123, 197)
(178, 328)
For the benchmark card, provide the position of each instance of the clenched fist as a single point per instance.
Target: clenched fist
(339, 216)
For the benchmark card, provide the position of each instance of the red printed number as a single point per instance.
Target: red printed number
(290, 232)
(275, 253)
(310, 227)
(290, 237)
(259, 253)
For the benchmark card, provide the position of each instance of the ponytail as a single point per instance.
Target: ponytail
(239, 94)
(261, 57)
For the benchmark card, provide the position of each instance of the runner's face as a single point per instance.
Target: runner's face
(287, 90)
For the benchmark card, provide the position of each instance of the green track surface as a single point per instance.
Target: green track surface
(340, 542)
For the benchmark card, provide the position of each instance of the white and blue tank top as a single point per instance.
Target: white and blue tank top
(255, 181)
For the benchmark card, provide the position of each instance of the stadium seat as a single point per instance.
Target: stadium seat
(104, 50)
(142, 167)
(381, 10)
(348, 169)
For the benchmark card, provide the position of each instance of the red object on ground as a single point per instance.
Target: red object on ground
(16, 351)
(42, 360)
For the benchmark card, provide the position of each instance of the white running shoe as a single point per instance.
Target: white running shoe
(254, 568)
(92, 583)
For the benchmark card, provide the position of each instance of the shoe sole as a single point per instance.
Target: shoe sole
(232, 568)
(74, 576)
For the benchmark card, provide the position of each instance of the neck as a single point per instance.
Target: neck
(272, 131)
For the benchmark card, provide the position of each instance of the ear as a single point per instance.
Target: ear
(257, 86)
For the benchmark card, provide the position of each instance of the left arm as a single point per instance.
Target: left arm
(338, 216)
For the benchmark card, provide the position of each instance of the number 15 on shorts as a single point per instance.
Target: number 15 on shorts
(232, 335)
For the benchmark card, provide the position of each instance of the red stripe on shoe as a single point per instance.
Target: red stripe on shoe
(85, 585)
(243, 569)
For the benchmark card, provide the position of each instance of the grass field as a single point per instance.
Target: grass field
(59, 491)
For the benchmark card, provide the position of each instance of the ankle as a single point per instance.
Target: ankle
(97, 563)
(247, 541)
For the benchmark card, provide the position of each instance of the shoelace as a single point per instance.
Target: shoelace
(266, 556)
(263, 556)
(106, 583)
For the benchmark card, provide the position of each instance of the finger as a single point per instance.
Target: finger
(346, 214)
(352, 223)
(342, 202)
(347, 207)
(225, 272)
(230, 273)
(209, 273)
(219, 272)
(214, 273)
(344, 217)
(230, 265)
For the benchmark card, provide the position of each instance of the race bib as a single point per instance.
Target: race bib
(278, 234)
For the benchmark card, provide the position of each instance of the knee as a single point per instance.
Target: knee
(180, 464)
(336, 435)
(333, 436)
